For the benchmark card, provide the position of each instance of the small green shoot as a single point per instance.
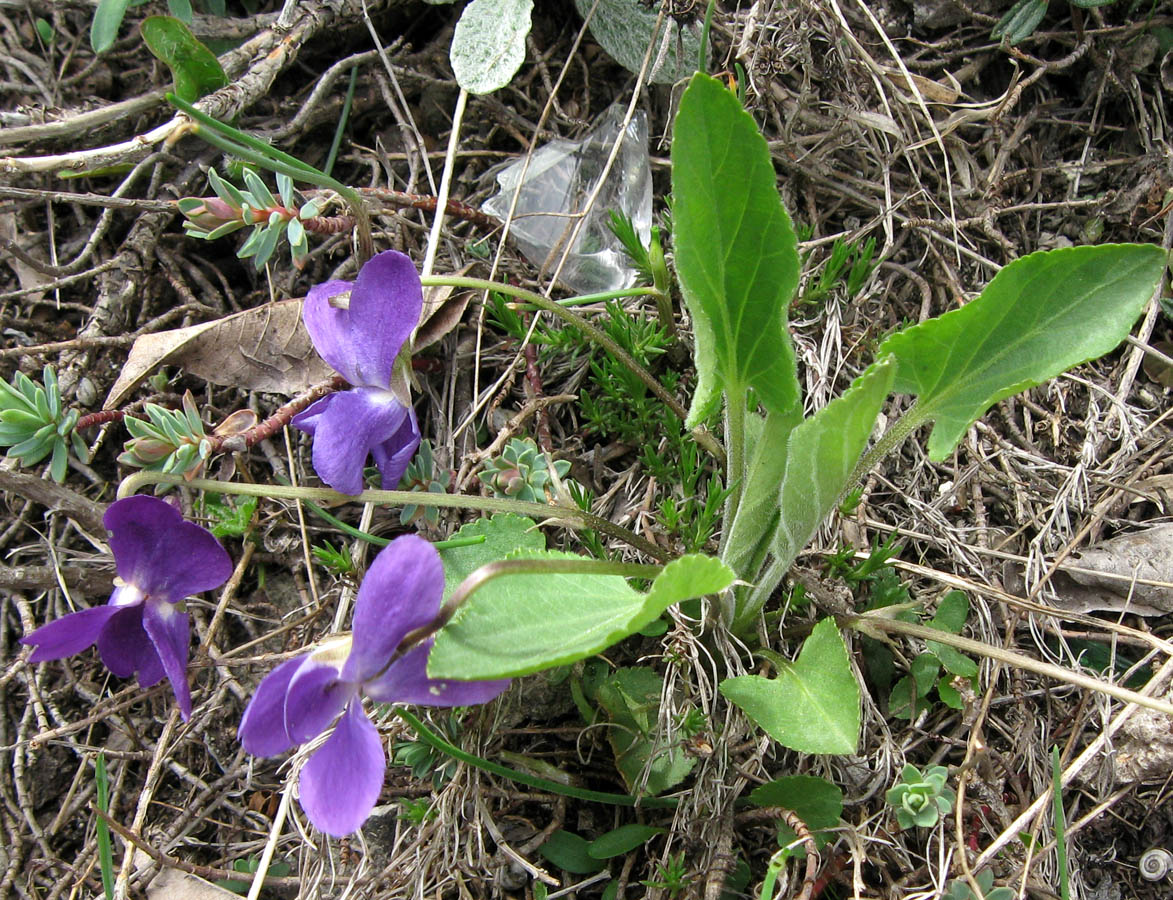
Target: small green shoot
(417, 812)
(422, 476)
(105, 853)
(671, 876)
(338, 561)
(1060, 824)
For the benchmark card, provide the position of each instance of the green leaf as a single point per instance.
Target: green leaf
(823, 452)
(818, 802)
(1020, 21)
(904, 699)
(193, 66)
(952, 612)
(631, 699)
(519, 624)
(1041, 315)
(736, 252)
(626, 28)
(813, 704)
(488, 46)
(954, 661)
(569, 851)
(106, 22)
(504, 534)
(924, 670)
(622, 840)
(949, 695)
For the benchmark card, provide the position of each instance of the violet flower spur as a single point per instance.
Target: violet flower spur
(361, 342)
(161, 559)
(341, 781)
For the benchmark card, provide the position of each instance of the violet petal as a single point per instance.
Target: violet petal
(345, 431)
(400, 592)
(315, 696)
(170, 632)
(341, 782)
(385, 306)
(393, 456)
(70, 634)
(161, 554)
(329, 328)
(125, 647)
(262, 728)
(407, 681)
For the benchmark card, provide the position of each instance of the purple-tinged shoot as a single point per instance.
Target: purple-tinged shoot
(361, 339)
(340, 783)
(161, 559)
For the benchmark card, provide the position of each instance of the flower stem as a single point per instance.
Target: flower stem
(132, 483)
(434, 740)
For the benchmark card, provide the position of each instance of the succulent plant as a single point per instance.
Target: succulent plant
(174, 440)
(920, 799)
(231, 209)
(422, 476)
(34, 423)
(522, 472)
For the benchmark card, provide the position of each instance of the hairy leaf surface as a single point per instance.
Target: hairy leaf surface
(1041, 315)
(813, 704)
(823, 452)
(736, 251)
(488, 46)
(522, 623)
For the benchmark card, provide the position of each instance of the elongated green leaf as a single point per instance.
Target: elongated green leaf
(757, 514)
(736, 251)
(822, 453)
(1041, 315)
(488, 46)
(519, 624)
(193, 66)
(622, 840)
(107, 20)
(813, 704)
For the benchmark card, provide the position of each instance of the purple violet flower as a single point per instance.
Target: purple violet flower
(161, 559)
(341, 781)
(361, 342)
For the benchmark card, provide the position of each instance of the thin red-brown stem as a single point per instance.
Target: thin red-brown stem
(101, 417)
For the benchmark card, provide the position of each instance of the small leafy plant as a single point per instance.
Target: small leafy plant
(522, 472)
(209, 218)
(920, 799)
(34, 423)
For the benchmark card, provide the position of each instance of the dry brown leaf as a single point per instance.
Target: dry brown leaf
(442, 312)
(172, 884)
(261, 349)
(1116, 574)
(931, 91)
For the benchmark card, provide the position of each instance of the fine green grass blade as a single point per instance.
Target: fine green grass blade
(736, 252)
(1040, 316)
(105, 853)
(1060, 824)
